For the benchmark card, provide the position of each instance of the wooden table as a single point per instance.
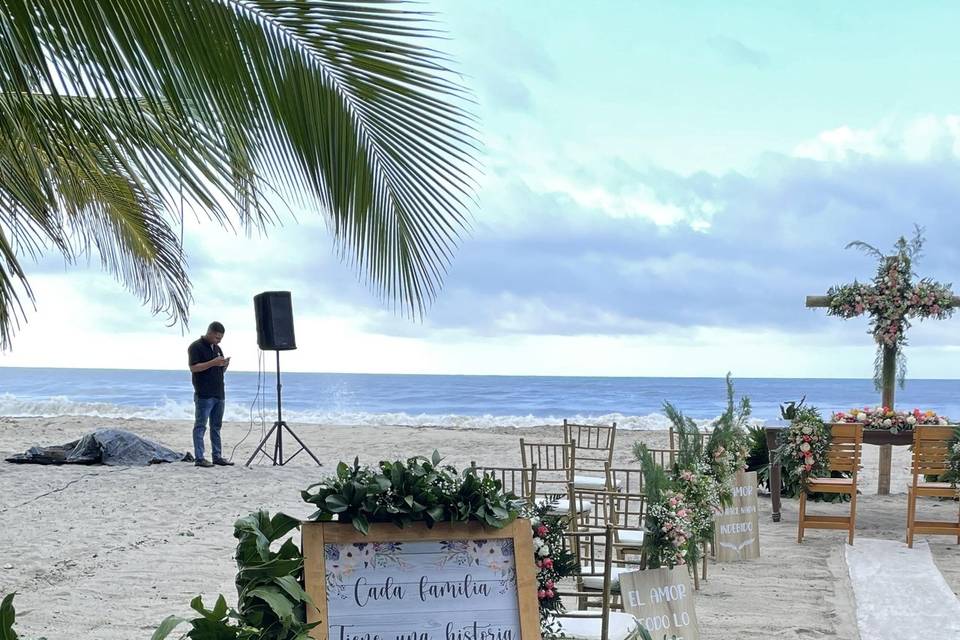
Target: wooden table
(870, 436)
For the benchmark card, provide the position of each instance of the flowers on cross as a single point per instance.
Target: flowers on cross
(892, 299)
(887, 419)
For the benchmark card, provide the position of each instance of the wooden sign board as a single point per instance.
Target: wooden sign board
(736, 531)
(662, 600)
(452, 582)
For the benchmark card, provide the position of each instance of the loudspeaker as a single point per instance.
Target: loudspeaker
(274, 311)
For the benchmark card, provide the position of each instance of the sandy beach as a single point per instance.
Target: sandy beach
(108, 552)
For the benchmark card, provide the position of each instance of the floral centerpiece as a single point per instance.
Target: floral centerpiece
(886, 419)
(803, 449)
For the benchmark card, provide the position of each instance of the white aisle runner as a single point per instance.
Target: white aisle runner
(900, 593)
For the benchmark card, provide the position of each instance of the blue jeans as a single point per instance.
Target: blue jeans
(211, 408)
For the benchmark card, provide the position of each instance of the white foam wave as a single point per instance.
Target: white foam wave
(11, 405)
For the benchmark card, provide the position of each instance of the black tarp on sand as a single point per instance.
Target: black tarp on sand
(103, 446)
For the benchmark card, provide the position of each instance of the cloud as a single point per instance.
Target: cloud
(736, 52)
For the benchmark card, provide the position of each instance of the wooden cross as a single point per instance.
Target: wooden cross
(890, 301)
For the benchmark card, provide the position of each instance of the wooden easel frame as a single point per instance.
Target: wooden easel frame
(317, 534)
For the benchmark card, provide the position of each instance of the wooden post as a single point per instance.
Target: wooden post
(889, 380)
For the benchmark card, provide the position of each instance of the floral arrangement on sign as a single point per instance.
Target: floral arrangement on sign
(892, 299)
(803, 449)
(554, 562)
(887, 419)
(418, 490)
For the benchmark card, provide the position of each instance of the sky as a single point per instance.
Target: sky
(663, 184)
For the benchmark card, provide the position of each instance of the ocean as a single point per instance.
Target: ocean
(437, 400)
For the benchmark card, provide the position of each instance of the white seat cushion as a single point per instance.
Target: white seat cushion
(596, 582)
(629, 536)
(562, 507)
(623, 626)
(591, 482)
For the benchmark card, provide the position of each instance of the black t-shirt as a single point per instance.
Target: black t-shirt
(208, 383)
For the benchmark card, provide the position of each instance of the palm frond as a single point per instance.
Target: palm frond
(236, 104)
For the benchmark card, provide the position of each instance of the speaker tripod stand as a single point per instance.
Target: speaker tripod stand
(278, 428)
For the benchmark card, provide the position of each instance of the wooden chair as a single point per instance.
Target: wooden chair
(602, 516)
(931, 451)
(593, 446)
(628, 512)
(555, 463)
(843, 455)
(595, 549)
(520, 481)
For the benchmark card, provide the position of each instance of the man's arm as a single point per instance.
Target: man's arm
(196, 366)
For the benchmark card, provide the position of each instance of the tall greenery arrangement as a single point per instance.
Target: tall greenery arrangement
(119, 115)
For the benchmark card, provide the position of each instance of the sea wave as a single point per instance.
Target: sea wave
(54, 406)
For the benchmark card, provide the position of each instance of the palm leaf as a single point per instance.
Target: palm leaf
(111, 111)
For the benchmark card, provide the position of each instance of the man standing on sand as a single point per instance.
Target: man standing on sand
(207, 365)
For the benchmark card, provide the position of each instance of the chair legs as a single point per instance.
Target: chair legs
(911, 515)
(803, 514)
(853, 517)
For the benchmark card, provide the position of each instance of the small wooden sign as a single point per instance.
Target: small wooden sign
(737, 530)
(662, 600)
(452, 582)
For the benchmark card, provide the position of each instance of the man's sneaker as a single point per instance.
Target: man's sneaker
(203, 463)
(220, 462)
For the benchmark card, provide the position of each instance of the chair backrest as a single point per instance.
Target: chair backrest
(594, 551)
(555, 462)
(590, 509)
(594, 444)
(931, 451)
(674, 443)
(846, 441)
(628, 512)
(520, 481)
(628, 479)
(663, 457)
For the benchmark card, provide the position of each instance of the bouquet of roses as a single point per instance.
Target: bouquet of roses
(803, 449)
(670, 522)
(888, 419)
(553, 559)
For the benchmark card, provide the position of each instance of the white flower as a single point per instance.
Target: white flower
(543, 551)
(534, 521)
(911, 420)
(861, 417)
(807, 430)
(887, 422)
(537, 542)
(805, 447)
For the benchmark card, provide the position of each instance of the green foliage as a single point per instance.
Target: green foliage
(418, 490)
(549, 531)
(789, 410)
(347, 109)
(8, 616)
(758, 459)
(271, 602)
